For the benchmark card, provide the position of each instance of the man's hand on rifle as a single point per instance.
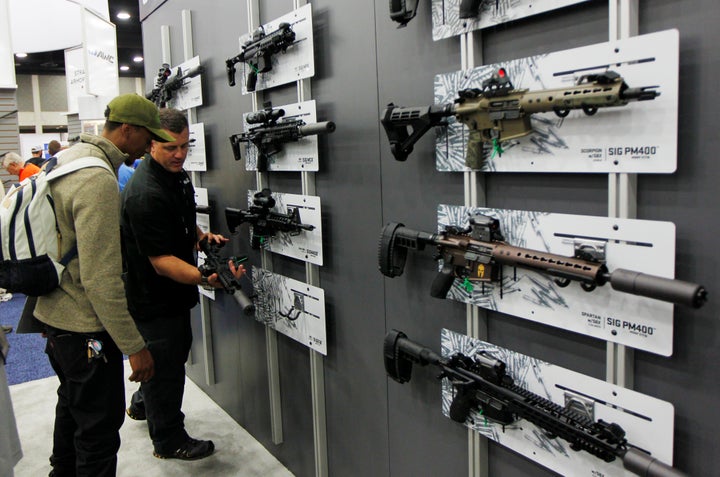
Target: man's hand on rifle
(211, 237)
(237, 272)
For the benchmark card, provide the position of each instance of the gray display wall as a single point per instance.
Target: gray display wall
(374, 425)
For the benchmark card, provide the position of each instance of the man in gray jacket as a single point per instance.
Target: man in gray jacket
(87, 323)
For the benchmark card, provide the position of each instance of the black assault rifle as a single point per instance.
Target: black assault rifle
(215, 264)
(402, 11)
(478, 253)
(481, 382)
(498, 112)
(163, 91)
(273, 131)
(258, 52)
(265, 223)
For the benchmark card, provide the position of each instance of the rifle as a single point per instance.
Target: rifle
(163, 91)
(258, 52)
(271, 134)
(498, 112)
(402, 11)
(477, 254)
(481, 382)
(215, 264)
(265, 223)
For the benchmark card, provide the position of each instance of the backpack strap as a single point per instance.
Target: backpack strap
(60, 170)
(72, 253)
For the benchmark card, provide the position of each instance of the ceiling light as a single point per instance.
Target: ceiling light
(123, 15)
(124, 68)
(138, 59)
(21, 55)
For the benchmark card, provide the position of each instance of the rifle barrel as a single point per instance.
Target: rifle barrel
(659, 288)
(313, 129)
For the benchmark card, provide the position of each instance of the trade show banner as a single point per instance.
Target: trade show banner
(101, 65)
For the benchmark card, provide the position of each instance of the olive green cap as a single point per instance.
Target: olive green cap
(133, 109)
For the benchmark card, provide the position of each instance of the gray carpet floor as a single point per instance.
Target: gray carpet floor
(236, 452)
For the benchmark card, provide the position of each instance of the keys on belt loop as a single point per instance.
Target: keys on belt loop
(94, 350)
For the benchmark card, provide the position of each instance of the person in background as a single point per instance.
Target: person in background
(14, 164)
(160, 239)
(86, 319)
(53, 148)
(37, 156)
(124, 174)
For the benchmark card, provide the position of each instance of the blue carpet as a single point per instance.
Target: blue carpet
(27, 360)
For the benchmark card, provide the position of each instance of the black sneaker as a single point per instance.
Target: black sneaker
(192, 449)
(135, 414)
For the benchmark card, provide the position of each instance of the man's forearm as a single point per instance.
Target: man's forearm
(175, 269)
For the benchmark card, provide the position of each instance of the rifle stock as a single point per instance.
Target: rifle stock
(481, 382)
(480, 260)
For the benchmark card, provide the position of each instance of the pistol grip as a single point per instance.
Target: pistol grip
(231, 74)
(235, 143)
(442, 283)
(469, 8)
(251, 80)
(462, 403)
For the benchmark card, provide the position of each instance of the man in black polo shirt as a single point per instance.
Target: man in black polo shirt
(159, 240)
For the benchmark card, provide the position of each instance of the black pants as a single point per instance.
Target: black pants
(90, 407)
(169, 340)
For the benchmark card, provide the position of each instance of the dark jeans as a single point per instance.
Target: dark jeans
(169, 340)
(90, 406)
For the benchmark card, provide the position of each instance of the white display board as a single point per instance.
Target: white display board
(638, 245)
(196, 159)
(447, 22)
(306, 245)
(291, 307)
(190, 94)
(101, 60)
(647, 421)
(75, 77)
(294, 64)
(301, 155)
(640, 137)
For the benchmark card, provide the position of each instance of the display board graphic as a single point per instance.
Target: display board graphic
(196, 159)
(447, 22)
(306, 245)
(301, 155)
(294, 64)
(640, 137)
(638, 245)
(647, 421)
(291, 307)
